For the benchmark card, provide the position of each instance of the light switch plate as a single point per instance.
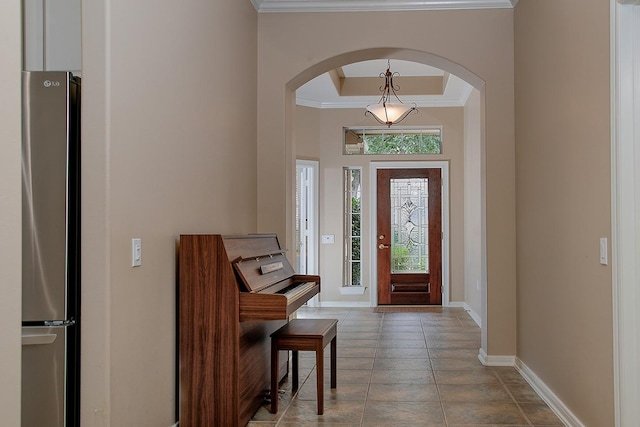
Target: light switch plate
(136, 252)
(604, 253)
(328, 238)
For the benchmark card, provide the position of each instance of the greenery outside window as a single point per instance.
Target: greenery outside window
(352, 268)
(396, 140)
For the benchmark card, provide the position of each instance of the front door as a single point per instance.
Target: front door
(409, 236)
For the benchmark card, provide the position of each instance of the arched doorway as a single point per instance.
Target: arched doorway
(479, 189)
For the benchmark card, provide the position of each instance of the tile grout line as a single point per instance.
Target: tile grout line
(375, 353)
(433, 375)
(512, 397)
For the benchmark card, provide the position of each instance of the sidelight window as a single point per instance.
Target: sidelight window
(352, 184)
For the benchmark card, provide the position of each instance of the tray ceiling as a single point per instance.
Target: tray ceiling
(358, 84)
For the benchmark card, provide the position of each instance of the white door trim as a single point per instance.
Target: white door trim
(373, 173)
(625, 205)
(312, 216)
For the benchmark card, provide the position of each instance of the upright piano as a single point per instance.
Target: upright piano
(234, 291)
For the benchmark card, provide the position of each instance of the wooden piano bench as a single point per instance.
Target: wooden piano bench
(304, 335)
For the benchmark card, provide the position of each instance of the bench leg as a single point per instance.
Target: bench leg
(320, 378)
(333, 363)
(274, 380)
(294, 368)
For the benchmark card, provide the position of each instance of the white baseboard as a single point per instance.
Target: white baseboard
(475, 316)
(496, 360)
(176, 424)
(545, 393)
(352, 290)
(344, 304)
(550, 398)
(461, 304)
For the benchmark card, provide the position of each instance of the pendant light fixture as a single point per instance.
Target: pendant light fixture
(385, 111)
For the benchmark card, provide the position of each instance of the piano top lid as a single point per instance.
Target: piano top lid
(250, 245)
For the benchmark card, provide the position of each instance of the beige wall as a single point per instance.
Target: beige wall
(327, 147)
(295, 47)
(473, 203)
(10, 213)
(307, 130)
(563, 205)
(169, 148)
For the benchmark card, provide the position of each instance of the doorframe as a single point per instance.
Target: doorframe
(625, 216)
(313, 211)
(427, 164)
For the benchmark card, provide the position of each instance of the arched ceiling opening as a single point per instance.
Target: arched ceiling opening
(358, 84)
(351, 80)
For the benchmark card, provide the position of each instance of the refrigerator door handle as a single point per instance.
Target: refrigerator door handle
(38, 339)
(59, 322)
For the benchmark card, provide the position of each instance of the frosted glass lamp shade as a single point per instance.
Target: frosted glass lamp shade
(389, 113)
(385, 112)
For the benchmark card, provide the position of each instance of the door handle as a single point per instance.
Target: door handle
(382, 246)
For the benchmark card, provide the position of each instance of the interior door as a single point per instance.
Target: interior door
(306, 220)
(302, 219)
(409, 236)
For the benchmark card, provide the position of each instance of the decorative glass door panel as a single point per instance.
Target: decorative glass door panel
(409, 225)
(409, 231)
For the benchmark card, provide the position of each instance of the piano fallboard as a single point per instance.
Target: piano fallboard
(278, 306)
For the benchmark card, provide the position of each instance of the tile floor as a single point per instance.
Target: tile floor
(407, 369)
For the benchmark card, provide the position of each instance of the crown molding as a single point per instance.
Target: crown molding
(264, 6)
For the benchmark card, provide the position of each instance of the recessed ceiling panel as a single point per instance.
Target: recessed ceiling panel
(375, 67)
(321, 92)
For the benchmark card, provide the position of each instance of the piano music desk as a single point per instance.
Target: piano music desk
(304, 335)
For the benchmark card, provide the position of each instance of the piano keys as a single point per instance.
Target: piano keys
(234, 291)
(293, 292)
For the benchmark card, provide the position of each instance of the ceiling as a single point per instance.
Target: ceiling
(357, 85)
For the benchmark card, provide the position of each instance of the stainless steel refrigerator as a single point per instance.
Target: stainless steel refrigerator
(50, 249)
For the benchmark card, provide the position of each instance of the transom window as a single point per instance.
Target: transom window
(383, 140)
